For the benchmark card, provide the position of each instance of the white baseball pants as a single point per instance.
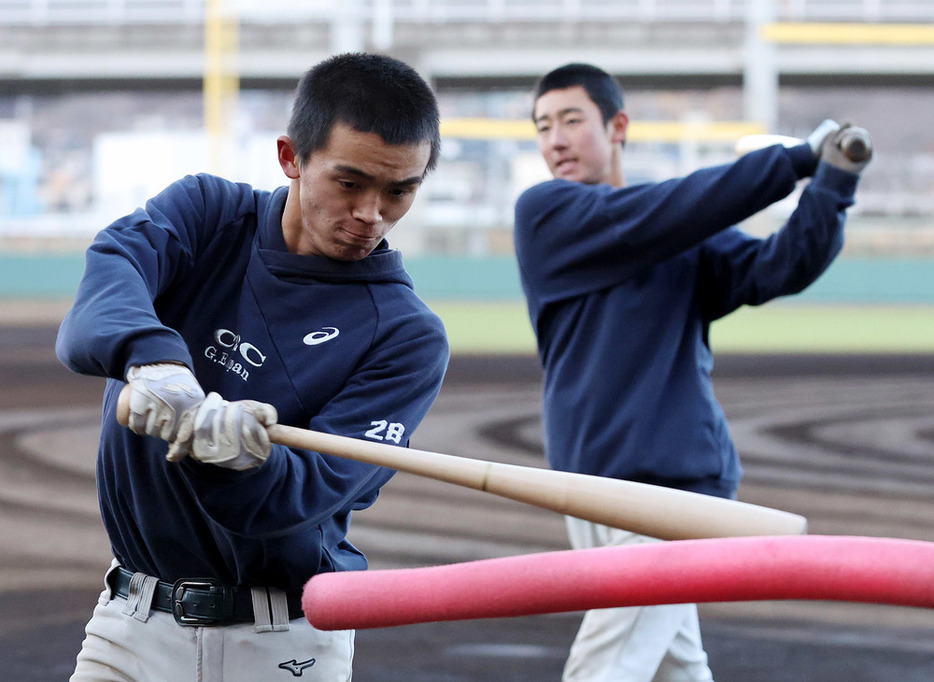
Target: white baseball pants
(126, 641)
(633, 644)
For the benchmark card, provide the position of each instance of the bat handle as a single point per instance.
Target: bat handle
(856, 145)
(123, 406)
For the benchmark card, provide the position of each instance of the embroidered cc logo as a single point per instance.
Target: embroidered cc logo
(249, 352)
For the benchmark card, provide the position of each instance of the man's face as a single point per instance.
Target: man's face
(573, 139)
(350, 194)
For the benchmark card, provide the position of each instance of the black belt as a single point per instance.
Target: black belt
(199, 601)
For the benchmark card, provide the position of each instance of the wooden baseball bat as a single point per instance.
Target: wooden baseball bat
(855, 143)
(655, 511)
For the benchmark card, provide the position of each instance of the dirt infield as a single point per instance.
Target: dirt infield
(847, 442)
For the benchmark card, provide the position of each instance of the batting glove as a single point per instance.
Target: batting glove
(821, 133)
(838, 149)
(227, 434)
(159, 394)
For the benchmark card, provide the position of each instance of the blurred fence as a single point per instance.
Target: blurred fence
(857, 281)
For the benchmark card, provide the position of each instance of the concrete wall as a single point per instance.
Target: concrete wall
(33, 276)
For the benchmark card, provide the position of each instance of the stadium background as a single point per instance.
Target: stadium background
(103, 102)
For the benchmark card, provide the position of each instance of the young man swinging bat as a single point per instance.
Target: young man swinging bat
(226, 308)
(622, 284)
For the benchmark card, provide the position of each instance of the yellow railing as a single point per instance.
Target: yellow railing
(811, 33)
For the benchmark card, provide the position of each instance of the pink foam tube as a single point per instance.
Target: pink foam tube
(812, 567)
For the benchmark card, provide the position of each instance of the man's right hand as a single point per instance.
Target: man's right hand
(849, 149)
(159, 394)
(227, 434)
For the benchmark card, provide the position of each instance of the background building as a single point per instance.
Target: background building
(104, 102)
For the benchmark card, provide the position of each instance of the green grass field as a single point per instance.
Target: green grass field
(893, 313)
(503, 327)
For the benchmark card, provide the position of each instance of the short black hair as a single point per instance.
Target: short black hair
(371, 93)
(601, 87)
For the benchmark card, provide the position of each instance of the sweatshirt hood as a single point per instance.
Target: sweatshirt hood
(384, 264)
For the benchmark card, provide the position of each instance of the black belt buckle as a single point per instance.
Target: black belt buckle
(201, 601)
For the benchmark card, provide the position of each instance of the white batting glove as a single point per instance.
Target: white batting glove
(227, 434)
(834, 150)
(159, 394)
(821, 133)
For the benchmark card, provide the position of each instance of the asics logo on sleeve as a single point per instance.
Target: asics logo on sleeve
(320, 336)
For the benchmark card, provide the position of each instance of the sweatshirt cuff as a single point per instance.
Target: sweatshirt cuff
(151, 349)
(836, 179)
(802, 159)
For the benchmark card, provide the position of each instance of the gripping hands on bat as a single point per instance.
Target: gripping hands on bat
(846, 147)
(165, 400)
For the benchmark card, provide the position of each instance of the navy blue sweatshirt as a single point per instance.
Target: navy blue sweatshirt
(202, 276)
(622, 285)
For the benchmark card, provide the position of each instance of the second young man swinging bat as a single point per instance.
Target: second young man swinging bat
(622, 283)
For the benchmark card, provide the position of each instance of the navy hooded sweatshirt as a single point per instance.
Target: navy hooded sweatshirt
(622, 285)
(202, 276)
